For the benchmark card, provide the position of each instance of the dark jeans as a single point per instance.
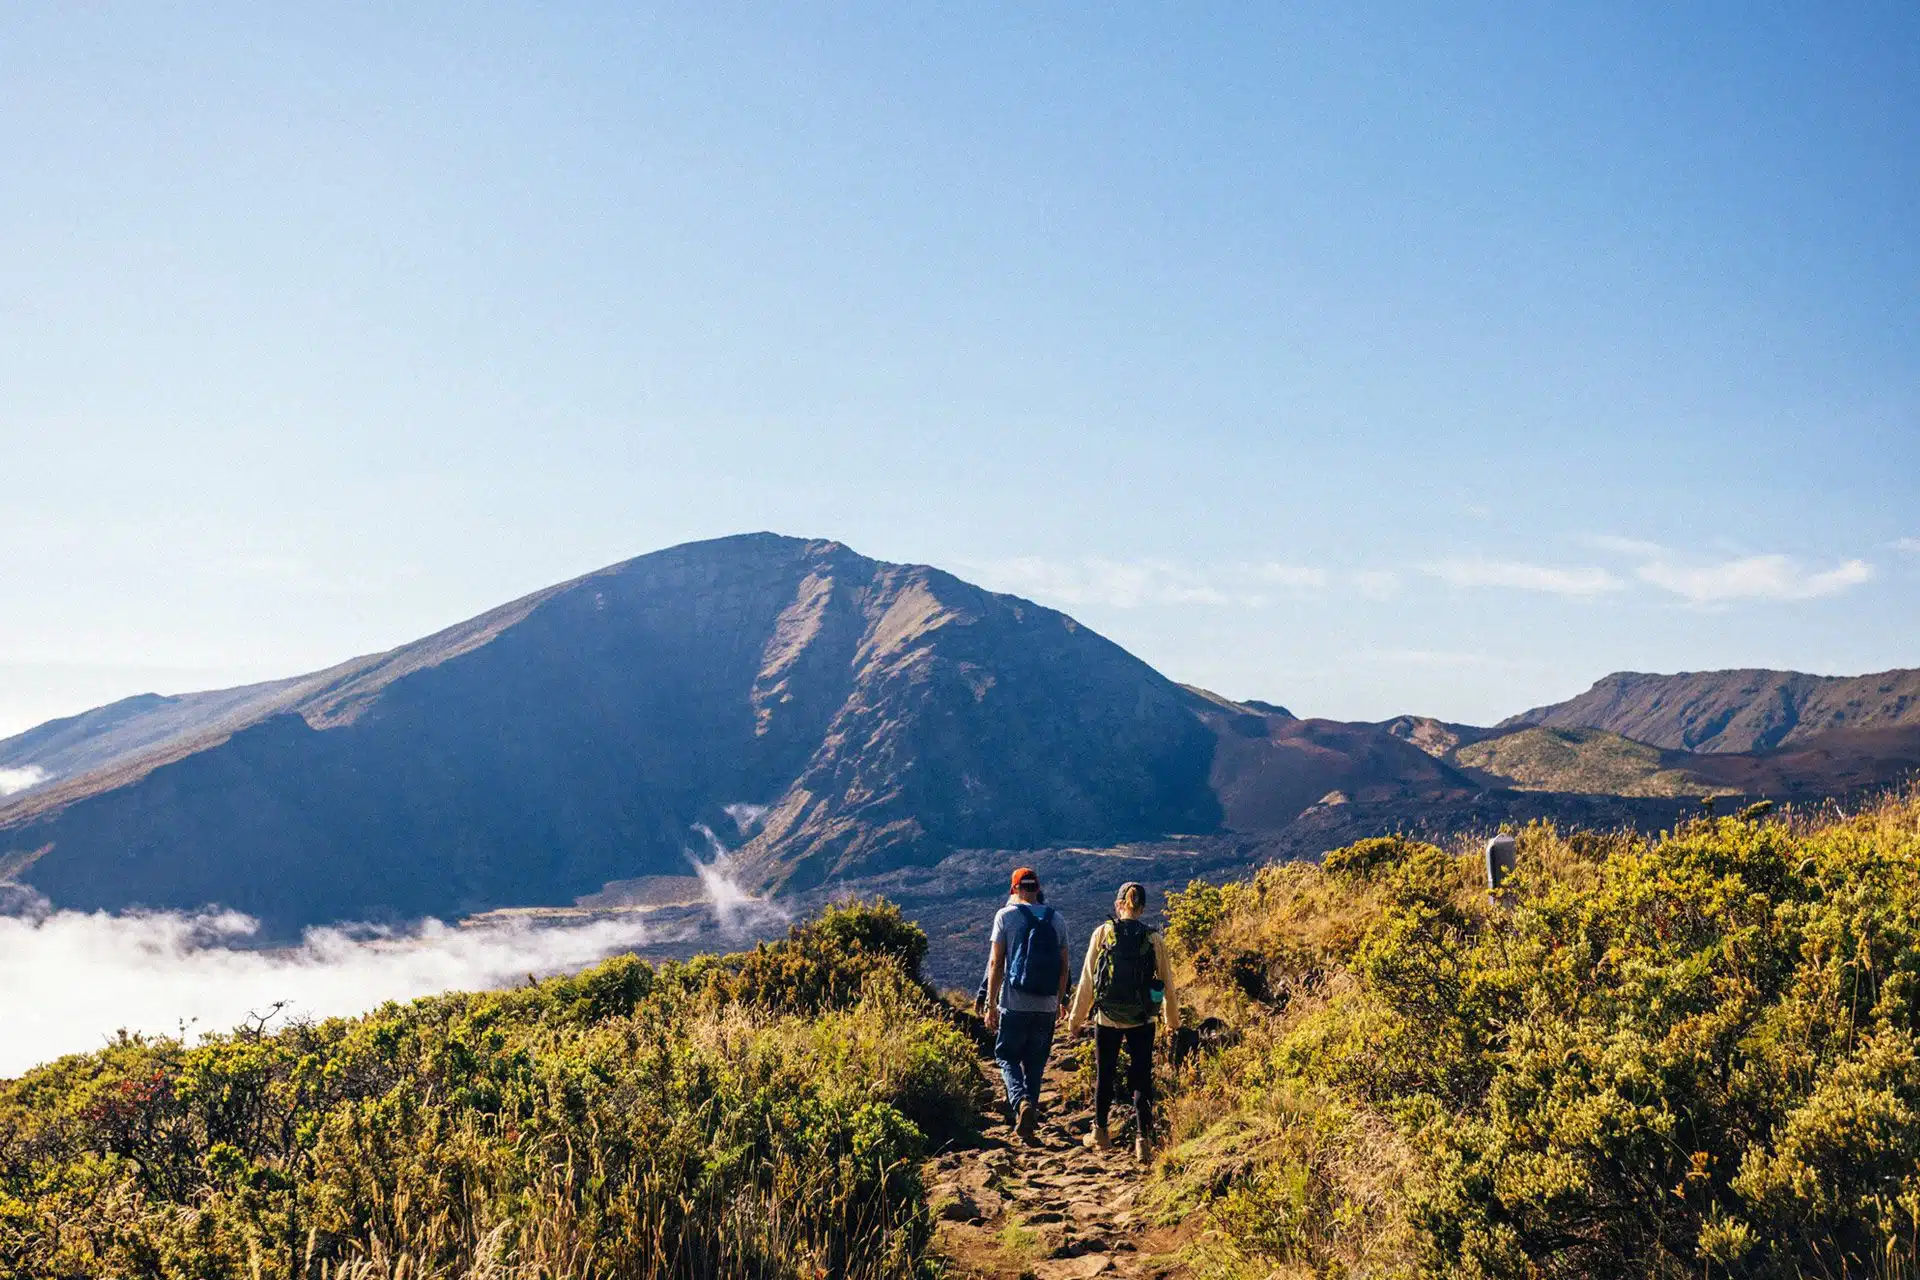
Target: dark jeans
(1106, 1065)
(1022, 1045)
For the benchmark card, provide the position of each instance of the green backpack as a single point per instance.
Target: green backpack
(1124, 974)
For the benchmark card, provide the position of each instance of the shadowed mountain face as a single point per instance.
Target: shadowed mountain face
(1735, 710)
(879, 712)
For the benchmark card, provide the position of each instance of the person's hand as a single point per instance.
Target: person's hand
(993, 1018)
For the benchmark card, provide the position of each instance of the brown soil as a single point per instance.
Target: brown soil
(1052, 1209)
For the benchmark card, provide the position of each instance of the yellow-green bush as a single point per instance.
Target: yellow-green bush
(1688, 1056)
(753, 1115)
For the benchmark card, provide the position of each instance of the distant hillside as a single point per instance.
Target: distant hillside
(1841, 763)
(1595, 762)
(1735, 710)
(1268, 768)
(135, 726)
(1585, 761)
(1438, 738)
(849, 715)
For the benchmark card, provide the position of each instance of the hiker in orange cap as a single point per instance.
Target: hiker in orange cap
(1026, 980)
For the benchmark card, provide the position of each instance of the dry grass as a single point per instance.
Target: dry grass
(1296, 1161)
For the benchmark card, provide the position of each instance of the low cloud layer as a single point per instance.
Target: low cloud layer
(69, 979)
(14, 781)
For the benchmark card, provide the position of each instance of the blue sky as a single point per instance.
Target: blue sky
(1407, 360)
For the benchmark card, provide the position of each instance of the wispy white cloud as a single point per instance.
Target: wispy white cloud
(1296, 577)
(736, 910)
(1624, 546)
(1909, 545)
(1520, 576)
(1131, 584)
(1767, 577)
(14, 781)
(1377, 584)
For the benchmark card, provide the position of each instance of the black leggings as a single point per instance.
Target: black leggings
(1106, 1065)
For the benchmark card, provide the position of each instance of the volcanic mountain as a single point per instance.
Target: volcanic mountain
(838, 714)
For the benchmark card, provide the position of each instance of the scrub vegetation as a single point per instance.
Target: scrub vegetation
(1693, 1055)
(763, 1114)
(1587, 762)
(1697, 1055)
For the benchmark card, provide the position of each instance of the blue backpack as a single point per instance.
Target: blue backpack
(1035, 963)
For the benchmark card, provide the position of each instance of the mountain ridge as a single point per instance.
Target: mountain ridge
(1739, 709)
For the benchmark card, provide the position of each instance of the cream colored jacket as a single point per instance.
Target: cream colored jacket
(1089, 967)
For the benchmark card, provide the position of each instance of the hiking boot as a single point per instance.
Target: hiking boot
(1027, 1121)
(1143, 1149)
(1098, 1139)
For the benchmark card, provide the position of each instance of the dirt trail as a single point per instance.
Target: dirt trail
(1052, 1209)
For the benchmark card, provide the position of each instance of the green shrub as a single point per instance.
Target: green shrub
(625, 1121)
(1688, 1056)
(1194, 914)
(1364, 858)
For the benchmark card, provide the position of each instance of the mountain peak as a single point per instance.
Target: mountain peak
(880, 713)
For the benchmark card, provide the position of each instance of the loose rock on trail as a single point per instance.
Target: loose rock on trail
(1051, 1209)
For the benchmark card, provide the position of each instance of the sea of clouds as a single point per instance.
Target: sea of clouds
(70, 979)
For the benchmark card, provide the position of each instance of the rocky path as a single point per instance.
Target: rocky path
(1052, 1209)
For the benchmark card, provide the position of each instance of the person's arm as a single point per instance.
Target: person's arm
(1083, 994)
(996, 974)
(1163, 969)
(1060, 929)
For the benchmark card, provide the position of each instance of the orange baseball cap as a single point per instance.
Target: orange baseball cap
(1021, 875)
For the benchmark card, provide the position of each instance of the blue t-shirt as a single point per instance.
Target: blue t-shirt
(1009, 927)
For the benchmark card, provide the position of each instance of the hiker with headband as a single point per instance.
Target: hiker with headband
(1126, 985)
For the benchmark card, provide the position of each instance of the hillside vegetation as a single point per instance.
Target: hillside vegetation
(763, 1114)
(1691, 1056)
(1585, 761)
